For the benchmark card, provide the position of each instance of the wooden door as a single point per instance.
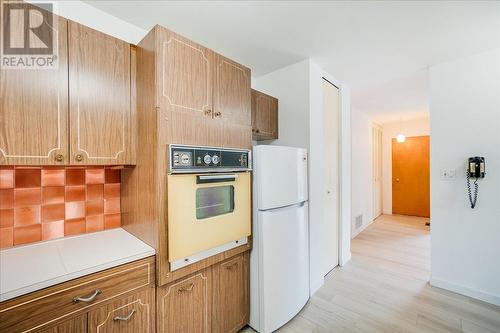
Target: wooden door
(411, 177)
(100, 99)
(132, 314)
(230, 294)
(264, 116)
(331, 194)
(185, 305)
(185, 87)
(34, 106)
(74, 325)
(232, 102)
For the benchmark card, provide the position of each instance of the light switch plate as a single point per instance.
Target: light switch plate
(448, 174)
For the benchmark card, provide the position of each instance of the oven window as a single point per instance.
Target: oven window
(214, 201)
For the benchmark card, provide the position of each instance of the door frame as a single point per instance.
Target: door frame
(338, 194)
(377, 163)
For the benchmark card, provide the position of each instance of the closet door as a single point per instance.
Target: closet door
(34, 103)
(100, 103)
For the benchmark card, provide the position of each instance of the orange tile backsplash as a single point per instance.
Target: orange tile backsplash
(42, 203)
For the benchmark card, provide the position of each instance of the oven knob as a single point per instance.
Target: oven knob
(215, 159)
(185, 159)
(207, 159)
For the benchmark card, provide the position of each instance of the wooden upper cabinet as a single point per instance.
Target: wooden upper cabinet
(34, 107)
(100, 110)
(230, 292)
(185, 71)
(232, 104)
(204, 98)
(185, 306)
(264, 116)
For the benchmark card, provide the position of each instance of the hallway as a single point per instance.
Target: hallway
(384, 288)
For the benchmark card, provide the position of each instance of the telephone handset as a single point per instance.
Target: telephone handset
(475, 169)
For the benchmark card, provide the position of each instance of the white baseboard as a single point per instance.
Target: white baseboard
(482, 296)
(315, 285)
(345, 259)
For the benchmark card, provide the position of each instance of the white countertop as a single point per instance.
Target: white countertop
(28, 268)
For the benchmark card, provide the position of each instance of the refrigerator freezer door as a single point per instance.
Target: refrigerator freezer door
(280, 176)
(284, 265)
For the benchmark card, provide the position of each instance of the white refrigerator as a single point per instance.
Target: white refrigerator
(279, 261)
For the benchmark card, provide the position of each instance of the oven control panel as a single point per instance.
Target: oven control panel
(199, 159)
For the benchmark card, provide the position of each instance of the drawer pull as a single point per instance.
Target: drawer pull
(189, 287)
(127, 318)
(87, 299)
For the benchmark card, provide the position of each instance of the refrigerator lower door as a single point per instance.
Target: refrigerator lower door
(284, 265)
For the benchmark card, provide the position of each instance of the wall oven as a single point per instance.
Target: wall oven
(209, 202)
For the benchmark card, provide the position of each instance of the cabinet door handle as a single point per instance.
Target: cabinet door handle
(232, 266)
(79, 157)
(207, 112)
(127, 318)
(87, 299)
(218, 114)
(59, 157)
(188, 287)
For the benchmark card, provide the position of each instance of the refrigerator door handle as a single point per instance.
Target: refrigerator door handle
(299, 204)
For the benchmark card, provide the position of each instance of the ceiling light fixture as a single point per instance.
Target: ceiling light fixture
(401, 137)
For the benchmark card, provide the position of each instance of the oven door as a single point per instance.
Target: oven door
(206, 211)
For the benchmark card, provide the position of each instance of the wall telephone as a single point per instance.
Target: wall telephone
(475, 169)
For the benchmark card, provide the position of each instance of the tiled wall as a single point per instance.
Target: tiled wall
(42, 203)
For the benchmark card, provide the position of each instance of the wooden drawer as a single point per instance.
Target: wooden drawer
(48, 306)
(131, 314)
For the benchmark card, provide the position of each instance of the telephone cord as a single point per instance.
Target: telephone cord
(476, 190)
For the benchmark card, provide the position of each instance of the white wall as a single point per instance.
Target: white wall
(413, 127)
(94, 18)
(290, 85)
(299, 90)
(465, 121)
(362, 170)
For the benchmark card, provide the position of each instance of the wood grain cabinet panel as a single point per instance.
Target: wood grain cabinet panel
(264, 116)
(133, 314)
(230, 295)
(185, 305)
(34, 106)
(51, 305)
(185, 71)
(100, 98)
(74, 325)
(232, 104)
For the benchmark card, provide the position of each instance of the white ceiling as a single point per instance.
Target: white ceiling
(380, 48)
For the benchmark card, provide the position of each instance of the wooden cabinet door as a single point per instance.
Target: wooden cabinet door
(100, 98)
(232, 102)
(230, 294)
(185, 85)
(34, 106)
(264, 116)
(74, 325)
(185, 305)
(132, 314)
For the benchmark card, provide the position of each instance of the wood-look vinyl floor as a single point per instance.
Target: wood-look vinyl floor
(384, 288)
